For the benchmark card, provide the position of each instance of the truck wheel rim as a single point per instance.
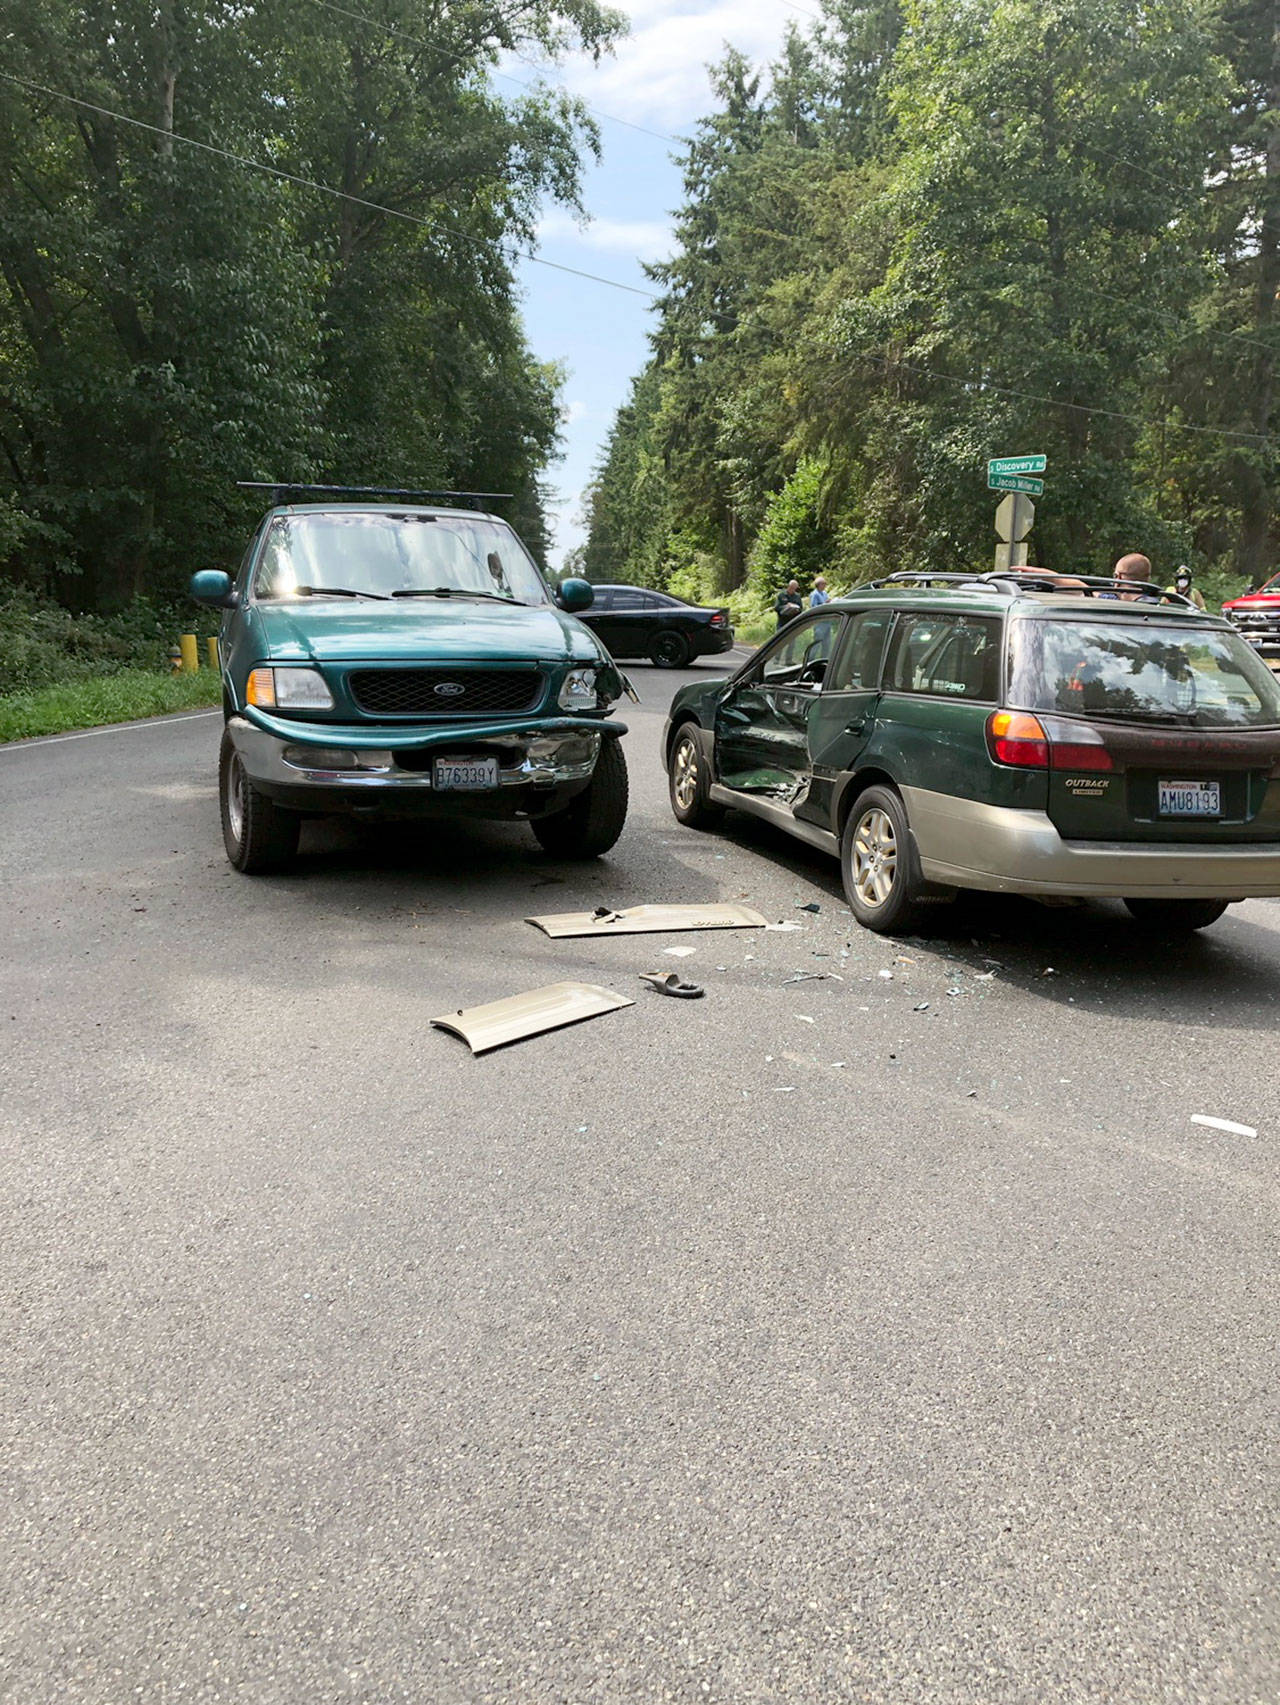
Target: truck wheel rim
(875, 857)
(235, 799)
(684, 774)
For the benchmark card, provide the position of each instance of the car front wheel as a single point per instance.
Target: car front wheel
(877, 863)
(1176, 917)
(259, 835)
(593, 822)
(670, 651)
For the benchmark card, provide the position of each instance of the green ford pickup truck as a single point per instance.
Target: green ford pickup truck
(401, 659)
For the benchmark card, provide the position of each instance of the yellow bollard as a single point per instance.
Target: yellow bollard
(211, 646)
(190, 656)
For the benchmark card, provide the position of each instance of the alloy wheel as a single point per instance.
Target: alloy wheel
(875, 857)
(684, 774)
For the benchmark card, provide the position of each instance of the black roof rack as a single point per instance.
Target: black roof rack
(283, 491)
(1034, 580)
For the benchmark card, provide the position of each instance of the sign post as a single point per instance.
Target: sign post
(1015, 518)
(1016, 513)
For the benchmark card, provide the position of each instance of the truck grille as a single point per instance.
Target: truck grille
(445, 692)
(1262, 627)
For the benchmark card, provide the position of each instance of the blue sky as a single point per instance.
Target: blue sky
(657, 79)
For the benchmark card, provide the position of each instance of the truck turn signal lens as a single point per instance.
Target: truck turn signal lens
(262, 688)
(1015, 737)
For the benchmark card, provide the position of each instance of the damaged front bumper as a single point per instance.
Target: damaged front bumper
(321, 767)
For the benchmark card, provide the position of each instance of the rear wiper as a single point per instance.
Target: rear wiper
(450, 592)
(337, 592)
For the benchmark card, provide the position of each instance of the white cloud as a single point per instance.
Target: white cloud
(647, 239)
(658, 75)
(573, 411)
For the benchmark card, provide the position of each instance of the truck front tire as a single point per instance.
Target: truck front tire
(592, 823)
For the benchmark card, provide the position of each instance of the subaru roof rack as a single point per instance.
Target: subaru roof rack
(283, 491)
(1034, 580)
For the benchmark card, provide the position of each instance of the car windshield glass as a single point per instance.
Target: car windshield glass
(1140, 672)
(1271, 586)
(382, 554)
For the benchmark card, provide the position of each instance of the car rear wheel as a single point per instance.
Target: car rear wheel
(259, 835)
(1176, 916)
(877, 862)
(593, 822)
(670, 651)
(689, 783)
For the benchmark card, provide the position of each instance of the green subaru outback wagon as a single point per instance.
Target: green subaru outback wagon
(1002, 732)
(394, 659)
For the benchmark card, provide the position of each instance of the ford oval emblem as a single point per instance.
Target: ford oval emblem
(449, 689)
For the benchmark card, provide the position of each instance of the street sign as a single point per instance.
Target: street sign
(1015, 518)
(1017, 464)
(1014, 482)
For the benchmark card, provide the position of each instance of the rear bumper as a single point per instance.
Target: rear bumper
(713, 642)
(965, 844)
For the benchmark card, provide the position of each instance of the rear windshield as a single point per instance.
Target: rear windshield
(1145, 671)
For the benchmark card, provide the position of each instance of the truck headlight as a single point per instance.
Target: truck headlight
(578, 690)
(288, 689)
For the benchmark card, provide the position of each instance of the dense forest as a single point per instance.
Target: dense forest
(949, 230)
(243, 240)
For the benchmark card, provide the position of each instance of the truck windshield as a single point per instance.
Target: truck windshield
(383, 554)
(1140, 671)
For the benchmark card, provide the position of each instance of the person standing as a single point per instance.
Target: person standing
(787, 604)
(1133, 566)
(819, 596)
(1182, 584)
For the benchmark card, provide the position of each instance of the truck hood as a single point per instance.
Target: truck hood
(421, 630)
(1254, 601)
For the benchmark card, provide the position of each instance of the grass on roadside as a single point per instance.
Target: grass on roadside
(124, 697)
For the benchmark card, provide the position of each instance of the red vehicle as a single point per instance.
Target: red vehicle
(1257, 615)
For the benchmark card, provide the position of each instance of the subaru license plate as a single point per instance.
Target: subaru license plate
(1190, 799)
(464, 775)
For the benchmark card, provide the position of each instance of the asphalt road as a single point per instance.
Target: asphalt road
(791, 1345)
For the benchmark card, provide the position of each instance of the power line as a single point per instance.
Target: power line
(312, 183)
(432, 44)
(973, 383)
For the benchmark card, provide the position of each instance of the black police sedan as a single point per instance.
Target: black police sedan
(632, 621)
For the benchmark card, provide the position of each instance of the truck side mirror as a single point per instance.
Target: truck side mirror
(212, 587)
(576, 595)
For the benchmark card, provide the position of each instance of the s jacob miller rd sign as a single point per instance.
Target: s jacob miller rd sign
(1009, 473)
(1014, 482)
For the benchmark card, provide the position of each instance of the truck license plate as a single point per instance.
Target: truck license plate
(1190, 799)
(469, 775)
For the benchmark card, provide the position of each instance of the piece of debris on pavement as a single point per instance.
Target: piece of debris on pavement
(679, 952)
(518, 1016)
(789, 924)
(1227, 1125)
(647, 920)
(808, 906)
(671, 983)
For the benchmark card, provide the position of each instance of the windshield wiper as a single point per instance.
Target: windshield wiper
(337, 592)
(450, 592)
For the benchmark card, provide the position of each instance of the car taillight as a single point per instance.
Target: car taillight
(719, 620)
(1014, 737)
